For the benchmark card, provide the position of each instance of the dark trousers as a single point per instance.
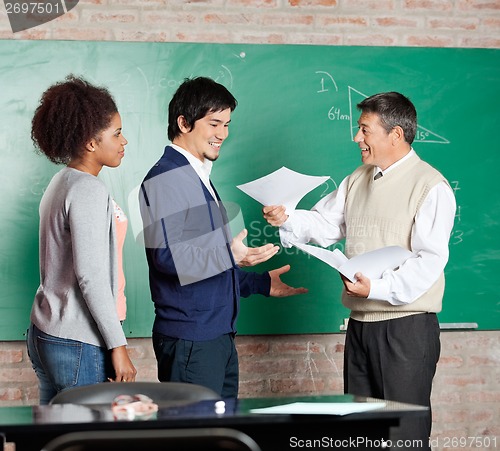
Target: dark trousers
(211, 363)
(395, 360)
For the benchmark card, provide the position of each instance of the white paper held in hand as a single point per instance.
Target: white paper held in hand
(372, 264)
(282, 187)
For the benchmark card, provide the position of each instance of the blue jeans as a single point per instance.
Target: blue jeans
(60, 363)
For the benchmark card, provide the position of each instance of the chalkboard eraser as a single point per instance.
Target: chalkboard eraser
(448, 326)
(344, 326)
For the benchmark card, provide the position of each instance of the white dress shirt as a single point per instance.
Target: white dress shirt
(324, 224)
(203, 169)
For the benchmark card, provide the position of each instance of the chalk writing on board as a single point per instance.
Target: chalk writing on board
(426, 136)
(457, 235)
(322, 81)
(225, 73)
(335, 114)
(326, 186)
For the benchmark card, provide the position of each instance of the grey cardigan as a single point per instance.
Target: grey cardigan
(78, 262)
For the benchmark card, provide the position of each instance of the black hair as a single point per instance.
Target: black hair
(194, 99)
(70, 113)
(394, 109)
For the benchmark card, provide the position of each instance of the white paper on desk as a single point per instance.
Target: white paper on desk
(282, 187)
(321, 408)
(372, 264)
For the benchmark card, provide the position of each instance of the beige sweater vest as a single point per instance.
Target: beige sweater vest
(382, 213)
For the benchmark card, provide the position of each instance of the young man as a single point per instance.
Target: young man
(392, 342)
(194, 264)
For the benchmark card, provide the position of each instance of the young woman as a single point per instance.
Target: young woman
(75, 337)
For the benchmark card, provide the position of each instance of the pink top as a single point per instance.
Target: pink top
(121, 230)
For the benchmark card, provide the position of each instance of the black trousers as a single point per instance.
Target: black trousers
(395, 360)
(211, 363)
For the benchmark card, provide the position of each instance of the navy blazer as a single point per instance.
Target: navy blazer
(195, 283)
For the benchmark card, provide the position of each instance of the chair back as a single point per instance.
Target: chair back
(159, 392)
(206, 439)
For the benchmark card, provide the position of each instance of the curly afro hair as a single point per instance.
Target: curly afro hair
(69, 115)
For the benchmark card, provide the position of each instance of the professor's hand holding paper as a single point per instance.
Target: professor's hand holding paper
(281, 191)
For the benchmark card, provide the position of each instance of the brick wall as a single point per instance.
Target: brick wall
(466, 395)
(430, 23)
(466, 391)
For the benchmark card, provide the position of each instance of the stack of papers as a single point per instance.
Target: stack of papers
(282, 187)
(372, 264)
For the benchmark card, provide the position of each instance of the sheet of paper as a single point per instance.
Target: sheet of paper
(334, 258)
(282, 187)
(372, 264)
(321, 408)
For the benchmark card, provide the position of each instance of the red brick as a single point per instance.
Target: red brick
(428, 5)
(286, 20)
(478, 5)
(111, 18)
(369, 5)
(10, 394)
(323, 365)
(374, 40)
(231, 19)
(297, 385)
(403, 22)
(440, 397)
(294, 347)
(252, 3)
(245, 349)
(454, 24)
(335, 385)
(430, 41)
(168, 18)
(11, 356)
(270, 366)
(489, 360)
(253, 388)
(482, 397)
(493, 22)
(312, 3)
(20, 374)
(450, 362)
(463, 381)
(485, 43)
(342, 21)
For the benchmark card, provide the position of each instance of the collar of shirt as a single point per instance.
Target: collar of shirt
(376, 169)
(202, 168)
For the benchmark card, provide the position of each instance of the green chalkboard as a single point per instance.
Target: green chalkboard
(296, 109)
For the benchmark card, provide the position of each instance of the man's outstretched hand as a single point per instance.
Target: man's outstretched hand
(280, 289)
(251, 256)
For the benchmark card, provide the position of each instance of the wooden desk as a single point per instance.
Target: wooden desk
(30, 427)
